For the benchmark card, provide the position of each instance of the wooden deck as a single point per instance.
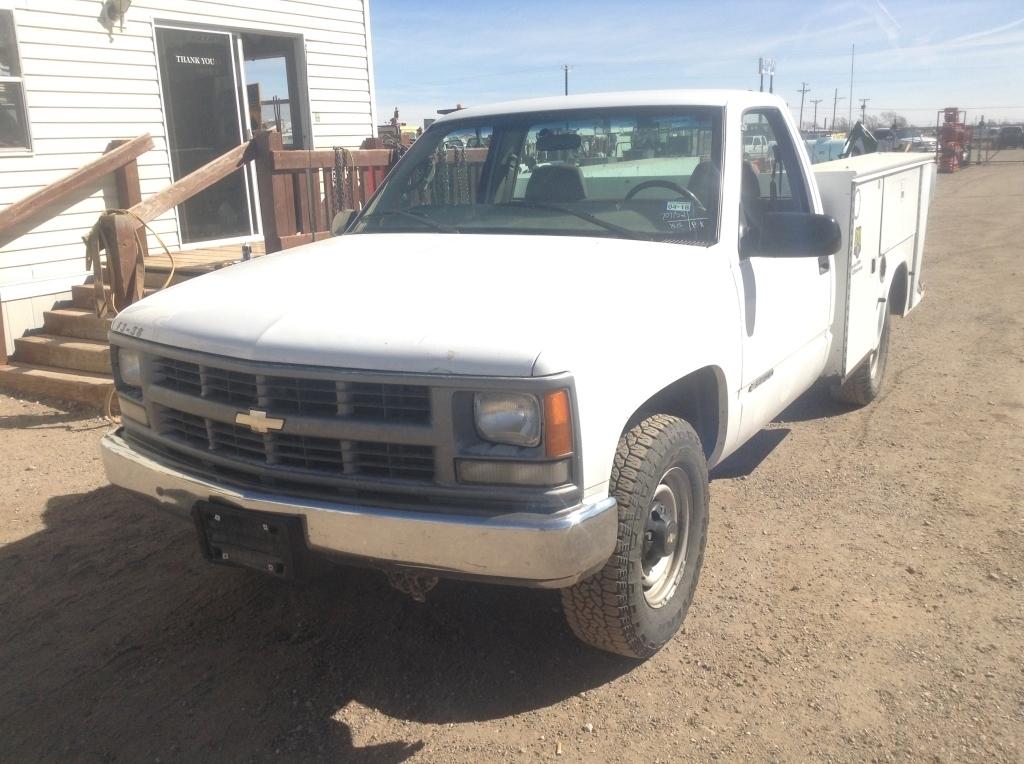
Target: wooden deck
(195, 262)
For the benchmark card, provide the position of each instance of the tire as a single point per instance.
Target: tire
(637, 602)
(865, 383)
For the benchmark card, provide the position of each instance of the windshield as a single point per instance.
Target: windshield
(639, 173)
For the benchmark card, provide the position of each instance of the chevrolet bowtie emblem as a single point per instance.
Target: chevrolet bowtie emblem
(258, 421)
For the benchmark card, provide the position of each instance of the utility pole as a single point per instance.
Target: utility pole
(816, 101)
(804, 90)
(835, 102)
(566, 67)
(864, 109)
(849, 114)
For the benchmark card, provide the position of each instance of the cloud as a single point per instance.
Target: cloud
(988, 32)
(885, 21)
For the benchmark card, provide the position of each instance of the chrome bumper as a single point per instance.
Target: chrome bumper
(547, 551)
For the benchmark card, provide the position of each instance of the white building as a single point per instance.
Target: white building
(198, 75)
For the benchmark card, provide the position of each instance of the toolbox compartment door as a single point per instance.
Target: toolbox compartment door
(865, 304)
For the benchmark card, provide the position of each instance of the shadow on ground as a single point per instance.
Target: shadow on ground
(816, 403)
(118, 641)
(750, 455)
(57, 420)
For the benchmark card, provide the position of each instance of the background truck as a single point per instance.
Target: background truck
(521, 371)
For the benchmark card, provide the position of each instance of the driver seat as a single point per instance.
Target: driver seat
(705, 184)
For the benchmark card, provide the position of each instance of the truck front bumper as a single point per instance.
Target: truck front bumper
(528, 549)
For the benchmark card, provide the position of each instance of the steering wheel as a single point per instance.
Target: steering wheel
(663, 184)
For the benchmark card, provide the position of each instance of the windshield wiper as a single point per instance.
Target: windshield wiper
(621, 230)
(420, 218)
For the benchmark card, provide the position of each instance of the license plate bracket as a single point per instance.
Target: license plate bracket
(262, 541)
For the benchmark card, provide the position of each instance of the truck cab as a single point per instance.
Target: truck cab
(518, 361)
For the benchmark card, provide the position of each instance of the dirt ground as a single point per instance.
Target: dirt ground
(862, 596)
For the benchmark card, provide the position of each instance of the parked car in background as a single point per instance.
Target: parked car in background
(912, 139)
(1011, 137)
(756, 146)
(886, 138)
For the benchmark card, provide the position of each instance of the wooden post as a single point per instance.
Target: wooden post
(125, 266)
(129, 190)
(277, 204)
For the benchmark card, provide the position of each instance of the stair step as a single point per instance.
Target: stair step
(63, 353)
(84, 295)
(75, 322)
(43, 381)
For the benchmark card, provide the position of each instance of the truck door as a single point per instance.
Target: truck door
(786, 301)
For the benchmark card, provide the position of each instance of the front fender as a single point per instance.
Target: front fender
(656, 343)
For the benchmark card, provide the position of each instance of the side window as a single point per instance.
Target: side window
(14, 133)
(772, 181)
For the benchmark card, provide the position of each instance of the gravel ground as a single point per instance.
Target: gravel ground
(862, 596)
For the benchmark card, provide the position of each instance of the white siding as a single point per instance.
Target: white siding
(85, 87)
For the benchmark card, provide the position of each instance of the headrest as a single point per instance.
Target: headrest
(555, 183)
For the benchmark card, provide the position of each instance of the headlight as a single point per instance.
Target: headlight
(129, 368)
(512, 418)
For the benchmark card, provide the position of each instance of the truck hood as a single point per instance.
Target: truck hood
(421, 303)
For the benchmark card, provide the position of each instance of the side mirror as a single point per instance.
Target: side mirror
(797, 234)
(341, 222)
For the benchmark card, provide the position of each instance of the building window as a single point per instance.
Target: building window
(14, 132)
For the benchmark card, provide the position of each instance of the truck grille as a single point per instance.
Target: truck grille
(296, 395)
(328, 457)
(352, 431)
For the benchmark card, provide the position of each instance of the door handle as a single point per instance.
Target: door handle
(823, 266)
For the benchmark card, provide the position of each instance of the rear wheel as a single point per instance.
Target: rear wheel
(865, 383)
(639, 599)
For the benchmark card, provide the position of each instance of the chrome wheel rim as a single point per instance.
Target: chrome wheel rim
(666, 534)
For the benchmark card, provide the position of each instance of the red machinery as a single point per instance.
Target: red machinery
(954, 139)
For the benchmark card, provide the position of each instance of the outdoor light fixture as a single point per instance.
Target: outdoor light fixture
(115, 10)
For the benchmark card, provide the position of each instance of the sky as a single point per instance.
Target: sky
(911, 57)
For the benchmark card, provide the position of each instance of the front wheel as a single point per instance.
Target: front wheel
(639, 599)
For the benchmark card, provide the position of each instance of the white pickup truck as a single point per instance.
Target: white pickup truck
(519, 366)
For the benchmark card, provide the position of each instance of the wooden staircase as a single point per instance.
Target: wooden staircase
(69, 357)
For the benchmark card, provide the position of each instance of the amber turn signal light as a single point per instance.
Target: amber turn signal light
(557, 424)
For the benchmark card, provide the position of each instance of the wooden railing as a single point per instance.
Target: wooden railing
(297, 188)
(118, 160)
(25, 214)
(120, 235)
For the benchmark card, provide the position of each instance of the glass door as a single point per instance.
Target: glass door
(199, 76)
(272, 91)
